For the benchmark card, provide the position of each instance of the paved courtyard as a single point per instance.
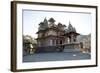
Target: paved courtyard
(60, 56)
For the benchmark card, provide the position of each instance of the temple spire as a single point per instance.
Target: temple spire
(71, 28)
(45, 22)
(70, 24)
(45, 19)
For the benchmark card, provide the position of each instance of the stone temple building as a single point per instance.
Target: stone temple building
(56, 37)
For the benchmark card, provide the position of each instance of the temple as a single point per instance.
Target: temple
(56, 37)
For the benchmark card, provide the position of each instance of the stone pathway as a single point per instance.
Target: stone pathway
(61, 56)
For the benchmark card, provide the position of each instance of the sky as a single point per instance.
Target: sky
(31, 19)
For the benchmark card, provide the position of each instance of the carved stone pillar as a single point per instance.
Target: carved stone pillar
(68, 40)
(51, 42)
(72, 38)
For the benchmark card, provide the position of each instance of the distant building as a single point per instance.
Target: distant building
(86, 41)
(52, 35)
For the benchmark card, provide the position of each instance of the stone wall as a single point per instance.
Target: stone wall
(60, 48)
(46, 49)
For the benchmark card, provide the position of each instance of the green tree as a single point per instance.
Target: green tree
(29, 43)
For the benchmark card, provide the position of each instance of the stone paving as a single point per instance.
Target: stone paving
(58, 56)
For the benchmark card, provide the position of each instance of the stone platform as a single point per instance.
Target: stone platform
(73, 47)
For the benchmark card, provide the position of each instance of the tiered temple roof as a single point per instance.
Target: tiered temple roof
(52, 34)
(50, 24)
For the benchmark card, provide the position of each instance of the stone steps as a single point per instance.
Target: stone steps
(71, 50)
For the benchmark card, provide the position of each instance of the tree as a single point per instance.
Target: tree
(29, 43)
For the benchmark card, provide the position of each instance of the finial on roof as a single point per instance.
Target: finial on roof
(45, 19)
(69, 22)
(70, 26)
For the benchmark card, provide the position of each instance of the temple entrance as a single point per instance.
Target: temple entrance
(60, 41)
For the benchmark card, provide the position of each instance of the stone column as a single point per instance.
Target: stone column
(72, 38)
(51, 42)
(68, 40)
(39, 43)
(55, 42)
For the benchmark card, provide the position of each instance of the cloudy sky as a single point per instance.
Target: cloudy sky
(31, 19)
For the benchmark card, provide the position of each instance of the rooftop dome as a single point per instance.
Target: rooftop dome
(43, 25)
(51, 20)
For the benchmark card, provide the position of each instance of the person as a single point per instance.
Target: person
(31, 49)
